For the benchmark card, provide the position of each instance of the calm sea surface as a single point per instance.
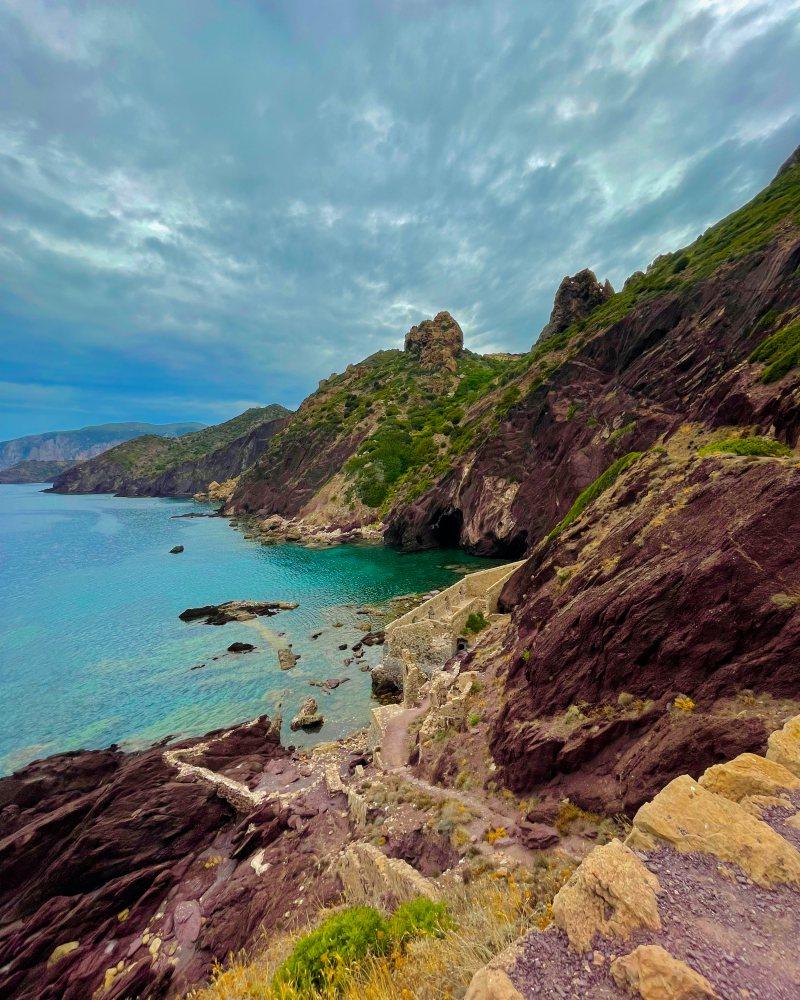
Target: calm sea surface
(91, 648)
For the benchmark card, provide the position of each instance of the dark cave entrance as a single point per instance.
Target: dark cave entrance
(446, 529)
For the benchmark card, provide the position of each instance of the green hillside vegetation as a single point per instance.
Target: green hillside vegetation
(150, 454)
(409, 424)
(755, 446)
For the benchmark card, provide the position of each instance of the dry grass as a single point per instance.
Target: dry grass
(488, 913)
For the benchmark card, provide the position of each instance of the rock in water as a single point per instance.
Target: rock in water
(436, 342)
(241, 647)
(308, 717)
(235, 611)
(575, 299)
(175, 550)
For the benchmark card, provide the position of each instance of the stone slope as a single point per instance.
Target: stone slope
(700, 901)
(681, 580)
(680, 356)
(152, 466)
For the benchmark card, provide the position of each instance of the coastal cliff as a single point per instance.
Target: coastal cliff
(641, 465)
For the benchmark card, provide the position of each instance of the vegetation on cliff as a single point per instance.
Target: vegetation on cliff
(135, 465)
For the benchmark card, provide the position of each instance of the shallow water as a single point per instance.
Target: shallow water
(92, 650)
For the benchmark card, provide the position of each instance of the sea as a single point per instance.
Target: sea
(92, 651)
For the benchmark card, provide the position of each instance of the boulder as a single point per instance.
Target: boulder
(537, 836)
(575, 299)
(387, 685)
(783, 746)
(689, 818)
(241, 647)
(436, 343)
(610, 893)
(654, 974)
(748, 774)
(175, 550)
(308, 717)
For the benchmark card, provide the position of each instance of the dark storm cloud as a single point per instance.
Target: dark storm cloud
(204, 205)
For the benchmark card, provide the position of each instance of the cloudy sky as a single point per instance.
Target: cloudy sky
(208, 205)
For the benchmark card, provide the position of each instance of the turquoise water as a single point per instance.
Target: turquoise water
(92, 650)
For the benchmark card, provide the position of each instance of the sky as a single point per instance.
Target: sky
(210, 205)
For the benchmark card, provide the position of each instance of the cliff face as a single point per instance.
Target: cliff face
(154, 466)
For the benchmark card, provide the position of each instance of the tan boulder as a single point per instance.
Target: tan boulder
(654, 974)
(689, 818)
(492, 982)
(611, 893)
(784, 746)
(748, 774)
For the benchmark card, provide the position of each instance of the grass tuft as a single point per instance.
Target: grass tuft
(759, 446)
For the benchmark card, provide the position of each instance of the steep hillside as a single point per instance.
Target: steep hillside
(75, 446)
(33, 471)
(378, 434)
(155, 466)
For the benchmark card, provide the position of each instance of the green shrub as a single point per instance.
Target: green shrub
(320, 957)
(593, 491)
(476, 622)
(766, 447)
(419, 917)
(780, 352)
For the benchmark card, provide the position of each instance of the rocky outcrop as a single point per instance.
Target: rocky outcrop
(157, 875)
(575, 299)
(308, 716)
(235, 611)
(436, 343)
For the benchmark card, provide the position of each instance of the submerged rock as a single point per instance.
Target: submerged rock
(330, 684)
(175, 550)
(308, 717)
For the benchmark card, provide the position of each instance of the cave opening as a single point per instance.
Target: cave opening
(447, 529)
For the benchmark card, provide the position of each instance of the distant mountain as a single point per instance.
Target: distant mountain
(33, 471)
(157, 466)
(86, 442)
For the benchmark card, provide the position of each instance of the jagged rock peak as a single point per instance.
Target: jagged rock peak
(575, 299)
(793, 160)
(436, 342)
